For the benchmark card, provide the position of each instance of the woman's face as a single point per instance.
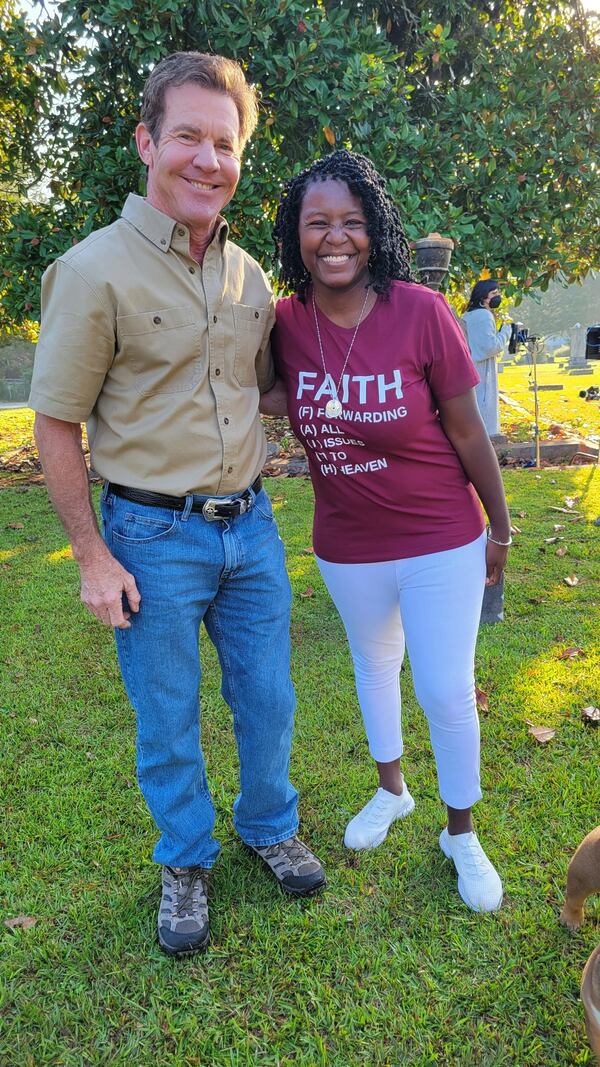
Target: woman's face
(492, 299)
(332, 228)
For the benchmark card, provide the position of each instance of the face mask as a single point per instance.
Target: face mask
(495, 301)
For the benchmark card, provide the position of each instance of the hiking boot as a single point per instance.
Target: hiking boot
(295, 867)
(478, 880)
(183, 915)
(370, 827)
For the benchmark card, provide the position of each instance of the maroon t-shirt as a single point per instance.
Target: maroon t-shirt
(388, 483)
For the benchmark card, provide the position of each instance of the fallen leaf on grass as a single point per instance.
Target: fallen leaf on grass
(551, 540)
(542, 734)
(308, 592)
(515, 530)
(565, 511)
(521, 514)
(591, 715)
(562, 551)
(571, 653)
(558, 526)
(15, 526)
(571, 580)
(23, 921)
(481, 699)
(308, 551)
(570, 501)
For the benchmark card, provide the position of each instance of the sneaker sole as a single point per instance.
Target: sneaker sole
(181, 953)
(287, 889)
(381, 838)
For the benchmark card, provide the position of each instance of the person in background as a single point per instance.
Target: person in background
(486, 343)
(156, 330)
(379, 389)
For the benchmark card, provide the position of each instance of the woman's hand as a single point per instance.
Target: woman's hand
(495, 561)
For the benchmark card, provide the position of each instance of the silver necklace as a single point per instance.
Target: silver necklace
(333, 407)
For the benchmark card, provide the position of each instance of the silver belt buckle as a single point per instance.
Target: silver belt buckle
(209, 508)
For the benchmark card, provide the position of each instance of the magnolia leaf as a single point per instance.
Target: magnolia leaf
(591, 715)
(329, 135)
(15, 526)
(515, 530)
(571, 653)
(25, 922)
(562, 551)
(551, 540)
(565, 511)
(558, 526)
(542, 734)
(481, 698)
(571, 580)
(309, 591)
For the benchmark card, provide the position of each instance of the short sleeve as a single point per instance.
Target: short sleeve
(448, 365)
(76, 346)
(265, 370)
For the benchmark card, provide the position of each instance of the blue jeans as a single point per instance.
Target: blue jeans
(231, 576)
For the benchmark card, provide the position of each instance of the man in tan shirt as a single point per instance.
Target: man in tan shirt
(155, 331)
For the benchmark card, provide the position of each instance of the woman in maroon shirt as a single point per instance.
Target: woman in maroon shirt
(379, 388)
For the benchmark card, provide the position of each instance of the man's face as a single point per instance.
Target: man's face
(194, 168)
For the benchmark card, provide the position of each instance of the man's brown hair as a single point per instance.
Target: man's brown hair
(212, 72)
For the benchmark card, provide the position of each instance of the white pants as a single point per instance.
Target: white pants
(434, 602)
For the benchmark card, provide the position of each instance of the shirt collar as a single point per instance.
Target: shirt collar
(163, 231)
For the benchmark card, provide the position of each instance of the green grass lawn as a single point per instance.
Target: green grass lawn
(387, 967)
(565, 406)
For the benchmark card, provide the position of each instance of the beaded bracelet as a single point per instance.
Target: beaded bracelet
(504, 544)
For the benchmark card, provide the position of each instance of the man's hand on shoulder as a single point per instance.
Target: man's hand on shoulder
(103, 583)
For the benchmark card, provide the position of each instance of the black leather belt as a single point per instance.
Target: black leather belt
(212, 508)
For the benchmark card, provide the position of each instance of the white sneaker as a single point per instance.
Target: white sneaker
(369, 828)
(478, 880)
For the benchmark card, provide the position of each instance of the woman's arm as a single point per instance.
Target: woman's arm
(484, 339)
(467, 434)
(275, 401)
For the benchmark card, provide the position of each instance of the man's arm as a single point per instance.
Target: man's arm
(103, 579)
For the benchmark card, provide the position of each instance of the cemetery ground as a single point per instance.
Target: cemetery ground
(387, 966)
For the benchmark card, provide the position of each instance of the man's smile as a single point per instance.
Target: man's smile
(204, 186)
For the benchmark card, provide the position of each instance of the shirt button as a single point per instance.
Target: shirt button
(226, 421)
(181, 232)
(256, 315)
(157, 320)
(229, 470)
(163, 241)
(192, 270)
(214, 318)
(217, 372)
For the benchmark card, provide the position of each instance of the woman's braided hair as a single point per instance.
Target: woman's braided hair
(390, 254)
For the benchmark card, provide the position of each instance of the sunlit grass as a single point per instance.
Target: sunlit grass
(564, 407)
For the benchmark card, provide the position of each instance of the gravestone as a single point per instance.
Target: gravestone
(492, 609)
(578, 364)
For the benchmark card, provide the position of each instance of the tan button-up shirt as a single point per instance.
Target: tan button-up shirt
(162, 358)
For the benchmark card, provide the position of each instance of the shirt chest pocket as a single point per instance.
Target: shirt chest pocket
(162, 350)
(249, 325)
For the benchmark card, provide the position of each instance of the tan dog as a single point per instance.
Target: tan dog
(583, 879)
(590, 998)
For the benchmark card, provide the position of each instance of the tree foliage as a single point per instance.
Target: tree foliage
(482, 114)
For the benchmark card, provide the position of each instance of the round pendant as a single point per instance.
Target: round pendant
(333, 408)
